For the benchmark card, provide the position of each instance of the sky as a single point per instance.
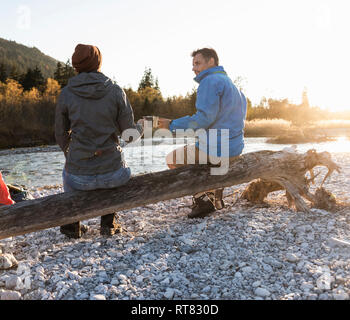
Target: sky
(279, 47)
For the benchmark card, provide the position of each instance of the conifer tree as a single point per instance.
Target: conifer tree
(14, 73)
(148, 81)
(3, 73)
(32, 78)
(63, 73)
(38, 77)
(59, 73)
(69, 71)
(26, 80)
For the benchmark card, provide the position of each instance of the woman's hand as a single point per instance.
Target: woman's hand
(141, 122)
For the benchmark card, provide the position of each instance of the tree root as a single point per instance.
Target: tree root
(293, 180)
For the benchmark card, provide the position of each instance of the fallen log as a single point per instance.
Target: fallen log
(281, 170)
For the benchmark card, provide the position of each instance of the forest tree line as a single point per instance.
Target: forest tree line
(28, 101)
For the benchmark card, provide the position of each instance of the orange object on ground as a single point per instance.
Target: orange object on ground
(5, 197)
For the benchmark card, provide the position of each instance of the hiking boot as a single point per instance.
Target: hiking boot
(74, 230)
(206, 203)
(202, 206)
(110, 225)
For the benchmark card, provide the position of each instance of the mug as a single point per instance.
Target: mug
(152, 119)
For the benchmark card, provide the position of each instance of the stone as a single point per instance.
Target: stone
(169, 293)
(291, 257)
(165, 282)
(98, 297)
(324, 281)
(84, 296)
(14, 282)
(338, 242)
(323, 296)
(247, 269)
(95, 245)
(123, 278)
(101, 289)
(7, 261)
(340, 296)
(10, 295)
(261, 292)
(206, 289)
(306, 286)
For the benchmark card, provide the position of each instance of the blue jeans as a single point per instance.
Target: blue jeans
(72, 182)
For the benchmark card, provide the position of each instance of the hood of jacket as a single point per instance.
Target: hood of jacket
(204, 73)
(91, 85)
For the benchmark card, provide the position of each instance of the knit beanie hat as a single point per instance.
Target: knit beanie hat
(86, 58)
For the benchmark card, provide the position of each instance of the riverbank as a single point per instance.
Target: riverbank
(242, 252)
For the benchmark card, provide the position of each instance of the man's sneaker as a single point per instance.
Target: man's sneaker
(110, 225)
(74, 230)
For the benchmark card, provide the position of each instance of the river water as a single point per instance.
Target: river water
(37, 169)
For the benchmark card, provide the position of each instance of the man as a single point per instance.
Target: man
(220, 105)
(91, 112)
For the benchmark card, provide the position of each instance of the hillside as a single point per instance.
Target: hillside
(23, 57)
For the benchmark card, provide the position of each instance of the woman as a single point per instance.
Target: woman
(91, 112)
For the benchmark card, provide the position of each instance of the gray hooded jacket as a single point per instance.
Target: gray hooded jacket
(91, 113)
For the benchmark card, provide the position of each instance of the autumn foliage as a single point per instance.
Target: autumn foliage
(27, 117)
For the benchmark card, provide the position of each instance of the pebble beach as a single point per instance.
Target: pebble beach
(242, 252)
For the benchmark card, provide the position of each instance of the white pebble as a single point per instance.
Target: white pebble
(261, 292)
(324, 281)
(95, 245)
(14, 282)
(7, 261)
(10, 295)
(291, 257)
(341, 296)
(247, 269)
(98, 297)
(123, 278)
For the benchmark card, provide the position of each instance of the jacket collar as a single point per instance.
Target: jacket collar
(209, 71)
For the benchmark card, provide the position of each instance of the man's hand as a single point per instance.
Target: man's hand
(163, 123)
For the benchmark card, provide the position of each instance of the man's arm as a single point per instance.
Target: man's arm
(62, 125)
(207, 105)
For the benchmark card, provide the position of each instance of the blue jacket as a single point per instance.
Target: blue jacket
(220, 105)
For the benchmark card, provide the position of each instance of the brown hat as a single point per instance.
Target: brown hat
(86, 58)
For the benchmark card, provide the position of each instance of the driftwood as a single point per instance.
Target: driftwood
(274, 171)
